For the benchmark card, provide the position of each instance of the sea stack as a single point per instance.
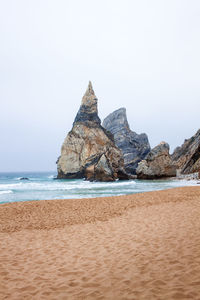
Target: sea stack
(89, 150)
(134, 146)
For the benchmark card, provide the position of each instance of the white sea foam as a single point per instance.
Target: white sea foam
(183, 182)
(10, 185)
(44, 187)
(64, 185)
(6, 192)
(83, 186)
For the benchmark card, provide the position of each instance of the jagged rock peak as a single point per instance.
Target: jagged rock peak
(160, 149)
(116, 118)
(89, 150)
(157, 164)
(187, 156)
(133, 146)
(88, 112)
(89, 91)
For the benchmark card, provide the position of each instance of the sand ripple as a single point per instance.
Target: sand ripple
(143, 246)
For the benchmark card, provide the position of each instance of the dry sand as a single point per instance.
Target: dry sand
(144, 246)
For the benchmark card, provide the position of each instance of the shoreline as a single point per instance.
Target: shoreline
(138, 246)
(56, 213)
(44, 188)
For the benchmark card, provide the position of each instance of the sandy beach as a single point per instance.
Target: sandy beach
(141, 246)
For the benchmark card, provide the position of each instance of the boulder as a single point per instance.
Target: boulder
(133, 146)
(158, 164)
(24, 178)
(187, 157)
(89, 150)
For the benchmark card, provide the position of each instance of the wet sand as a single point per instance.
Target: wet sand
(142, 246)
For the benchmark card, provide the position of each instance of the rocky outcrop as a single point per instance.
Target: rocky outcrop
(187, 157)
(89, 150)
(133, 146)
(158, 164)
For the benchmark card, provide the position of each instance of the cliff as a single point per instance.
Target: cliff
(187, 157)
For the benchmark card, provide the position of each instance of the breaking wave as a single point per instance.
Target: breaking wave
(6, 192)
(42, 186)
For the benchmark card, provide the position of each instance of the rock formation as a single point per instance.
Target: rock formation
(187, 157)
(158, 164)
(89, 150)
(133, 146)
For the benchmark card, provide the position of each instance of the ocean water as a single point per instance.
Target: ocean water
(41, 186)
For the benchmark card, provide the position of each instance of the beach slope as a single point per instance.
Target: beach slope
(141, 246)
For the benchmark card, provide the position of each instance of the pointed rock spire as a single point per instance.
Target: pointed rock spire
(89, 90)
(89, 150)
(88, 111)
(89, 97)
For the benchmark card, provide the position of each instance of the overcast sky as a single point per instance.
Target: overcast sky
(142, 55)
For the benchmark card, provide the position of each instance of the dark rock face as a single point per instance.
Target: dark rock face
(187, 157)
(88, 113)
(24, 178)
(88, 150)
(157, 164)
(133, 146)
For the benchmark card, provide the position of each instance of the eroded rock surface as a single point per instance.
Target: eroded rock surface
(187, 157)
(89, 150)
(158, 164)
(133, 146)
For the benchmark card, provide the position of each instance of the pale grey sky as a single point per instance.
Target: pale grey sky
(143, 55)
